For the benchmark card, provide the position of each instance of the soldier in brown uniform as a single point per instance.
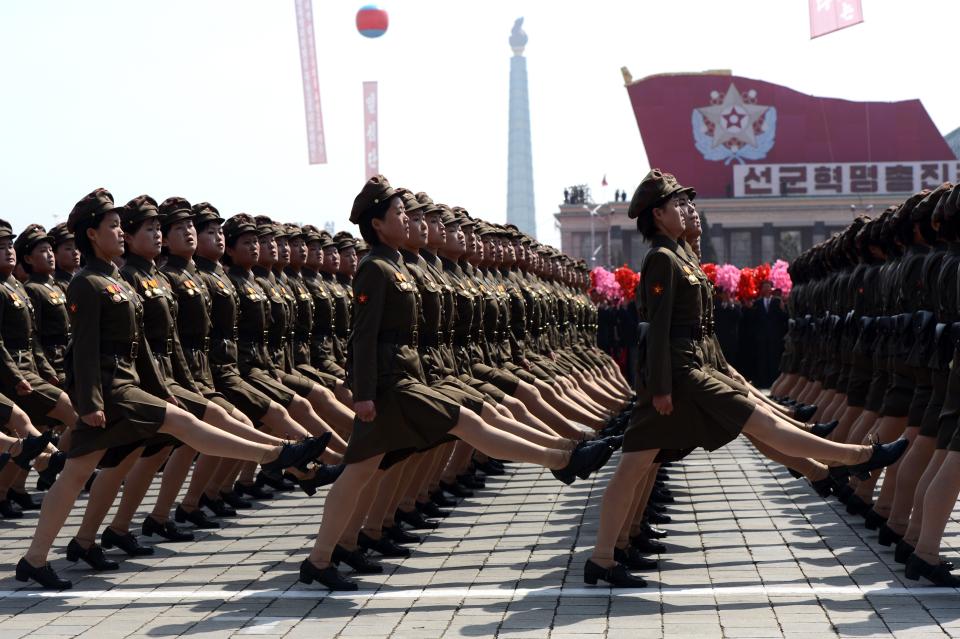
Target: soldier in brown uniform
(683, 404)
(323, 334)
(397, 414)
(66, 254)
(114, 379)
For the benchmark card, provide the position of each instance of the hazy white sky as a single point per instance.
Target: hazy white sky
(202, 98)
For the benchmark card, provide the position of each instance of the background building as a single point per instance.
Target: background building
(776, 170)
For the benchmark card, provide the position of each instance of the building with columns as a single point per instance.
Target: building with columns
(776, 171)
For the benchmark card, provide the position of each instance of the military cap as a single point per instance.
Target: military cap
(362, 247)
(59, 234)
(326, 240)
(294, 231)
(174, 209)
(204, 212)
(655, 189)
(310, 233)
(465, 220)
(137, 211)
(6, 231)
(410, 201)
(91, 209)
(265, 226)
(448, 217)
(924, 208)
(344, 240)
(376, 190)
(483, 229)
(951, 204)
(29, 238)
(280, 230)
(237, 225)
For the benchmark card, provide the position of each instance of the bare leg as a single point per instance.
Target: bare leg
(799, 443)
(339, 506)
(923, 489)
(102, 495)
(135, 487)
(891, 480)
(937, 506)
(912, 467)
(618, 500)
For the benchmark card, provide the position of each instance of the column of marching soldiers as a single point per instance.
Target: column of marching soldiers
(245, 323)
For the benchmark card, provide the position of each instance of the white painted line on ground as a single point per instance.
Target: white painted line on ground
(487, 593)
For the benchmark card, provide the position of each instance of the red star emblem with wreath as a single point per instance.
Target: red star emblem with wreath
(362, 298)
(657, 289)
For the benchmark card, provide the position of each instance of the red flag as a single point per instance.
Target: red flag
(311, 85)
(604, 183)
(827, 16)
(371, 155)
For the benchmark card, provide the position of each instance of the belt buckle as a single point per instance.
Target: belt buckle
(169, 345)
(134, 349)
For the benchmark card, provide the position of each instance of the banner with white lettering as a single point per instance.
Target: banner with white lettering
(827, 16)
(311, 85)
(371, 153)
(831, 178)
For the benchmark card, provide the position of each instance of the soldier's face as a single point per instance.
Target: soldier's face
(182, 239)
(210, 242)
(331, 259)
(394, 227)
(41, 259)
(67, 255)
(348, 261)
(669, 219)
(455, 243)
(468, 240)
(8, 256)
(268, 250)
(246, 251)
(314, 256)
(419, 231)
(146, 240)
(283, 250)
(436, 231)
(298, 252)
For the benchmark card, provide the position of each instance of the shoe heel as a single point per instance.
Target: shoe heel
(587, 579)
(305, 573)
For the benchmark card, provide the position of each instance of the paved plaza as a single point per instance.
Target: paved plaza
(753, 553)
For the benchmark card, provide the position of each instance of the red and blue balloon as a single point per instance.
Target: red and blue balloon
(372, 21)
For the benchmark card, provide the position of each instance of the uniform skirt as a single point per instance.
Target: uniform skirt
(241, 395)
(707, 413)
(40, 400)
(899, 393)
(930, 424)
(6, 410)
(411, 417)
(922, 394)
(858, 384)
(132, 416)
(270, 386)
(502, 379)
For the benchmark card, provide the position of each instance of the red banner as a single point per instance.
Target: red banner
(371, 155)
(311, 85)
(827, 16)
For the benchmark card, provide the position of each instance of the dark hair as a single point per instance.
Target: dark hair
(376, 212)
(202, 226)
(80, 234)
(646, 223)
(131, 229)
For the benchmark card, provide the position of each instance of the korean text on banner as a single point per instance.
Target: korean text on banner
(371, 154)
(311, 85)
(827, 16)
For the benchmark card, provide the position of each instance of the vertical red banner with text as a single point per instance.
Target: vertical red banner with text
(827, 16)
(371, 155)
(311, 85)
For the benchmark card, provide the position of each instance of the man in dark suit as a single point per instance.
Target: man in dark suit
(728, 313)
(770, 326)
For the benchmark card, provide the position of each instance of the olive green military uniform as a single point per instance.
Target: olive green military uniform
(53, 321)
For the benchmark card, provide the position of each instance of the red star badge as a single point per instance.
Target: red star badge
(657, 289)
(73, 308)
(362, 298)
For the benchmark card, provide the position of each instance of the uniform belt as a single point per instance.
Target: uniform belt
(686, 332)
(54, 340)
(120, 349)
(400, 338)
(256, 337)
(195, 342)
(218, 335)
(302, 335)
(18, 344)
(161, 346)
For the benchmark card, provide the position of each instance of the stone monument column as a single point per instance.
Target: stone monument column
(520, 207)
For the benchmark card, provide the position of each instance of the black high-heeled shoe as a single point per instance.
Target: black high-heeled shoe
(647, 546)
(24, 499)
(883, 455)
(30, 449)
(196, 517)
(126, 542)
(384, 546)
(888, 536)
(357, 560)
(632, 559)
(296, 454)
(824, 430)
(430, 509)
(856, 506)
(317, 445)
(415, 520)
(938, 575)
(442, 500)
(655, 517)
(617, 576)
(823, 487)
(252, 490)
(804, 413)
(322, 476)
(168, 530)
(585, 459)
(491, 469)
(235, 500)
(274, 480)
(217, 506)
(456, 489)
(473, 482)
(872, 520)
(651, 532)
(398, 535)
(329, 577)
(659, 496)
(903, 551)
(9, 510)
(44, 575)
(48, 475)
(92, 556)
